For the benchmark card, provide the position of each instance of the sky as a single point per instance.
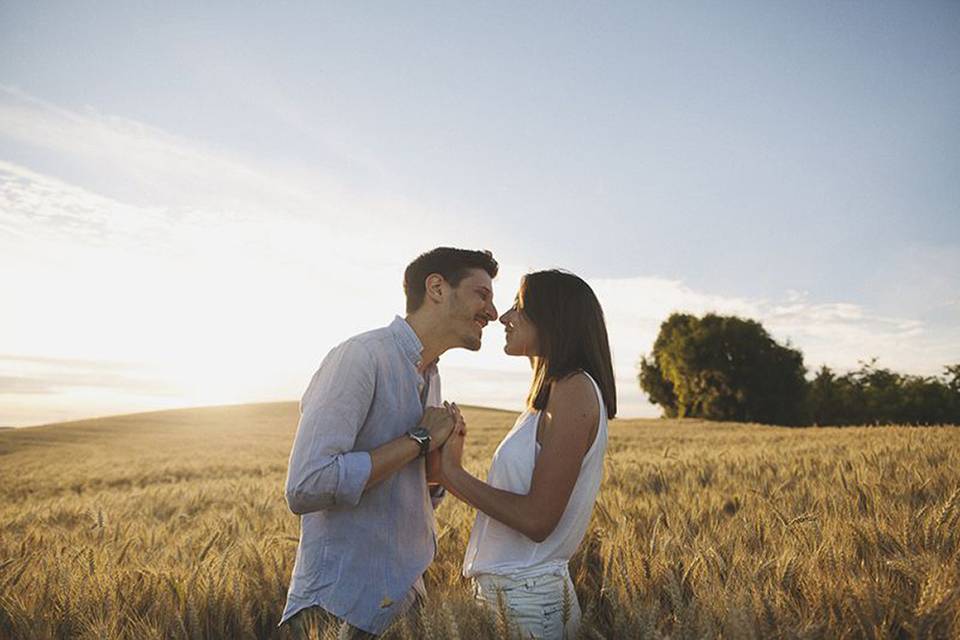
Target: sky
(199, 200)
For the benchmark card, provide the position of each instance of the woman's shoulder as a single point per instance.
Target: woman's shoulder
(575, 390)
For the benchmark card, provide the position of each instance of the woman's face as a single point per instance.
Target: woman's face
(520, 333)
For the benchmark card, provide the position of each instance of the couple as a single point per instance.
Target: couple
(377, 449)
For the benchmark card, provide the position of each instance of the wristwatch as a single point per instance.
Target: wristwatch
(422, 437)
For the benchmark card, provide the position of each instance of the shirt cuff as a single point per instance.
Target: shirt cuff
(354, 471)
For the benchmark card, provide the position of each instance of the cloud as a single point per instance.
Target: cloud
(839, 334)
(18, 385)
(220, 278)
(37, 208)
(183, 181)
(147, 165)
(40, 375)
(207, 307)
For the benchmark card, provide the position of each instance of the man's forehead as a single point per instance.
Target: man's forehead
(478, 278)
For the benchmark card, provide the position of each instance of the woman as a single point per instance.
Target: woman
(534, 508)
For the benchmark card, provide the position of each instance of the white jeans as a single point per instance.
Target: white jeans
(535, 603)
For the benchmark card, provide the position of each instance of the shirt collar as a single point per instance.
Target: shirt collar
(407, 339)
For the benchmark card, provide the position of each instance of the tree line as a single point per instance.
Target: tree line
(728, 368)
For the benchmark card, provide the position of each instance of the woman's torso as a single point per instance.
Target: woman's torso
(498, 549)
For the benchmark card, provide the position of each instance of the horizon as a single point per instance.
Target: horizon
(196, 204)
(222, 406)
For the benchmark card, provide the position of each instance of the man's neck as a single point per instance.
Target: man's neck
(429, 337)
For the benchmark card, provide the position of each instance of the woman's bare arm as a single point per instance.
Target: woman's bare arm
(570, 421)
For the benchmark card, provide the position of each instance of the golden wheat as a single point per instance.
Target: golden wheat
(173, 525)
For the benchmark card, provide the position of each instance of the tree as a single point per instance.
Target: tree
(723, 368)
(872, 395)
(657, 387)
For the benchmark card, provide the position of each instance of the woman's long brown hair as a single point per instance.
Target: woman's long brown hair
(571, 332)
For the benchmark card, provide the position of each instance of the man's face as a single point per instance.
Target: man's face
(471, 308)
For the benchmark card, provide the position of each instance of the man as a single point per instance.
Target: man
(370, 427)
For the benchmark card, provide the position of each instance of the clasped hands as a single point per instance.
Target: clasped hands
(448, 431)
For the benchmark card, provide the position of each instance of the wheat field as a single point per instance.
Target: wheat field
(173, 525)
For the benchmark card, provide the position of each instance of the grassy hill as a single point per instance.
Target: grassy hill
(173, 524)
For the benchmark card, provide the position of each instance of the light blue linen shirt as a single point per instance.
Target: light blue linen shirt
(361, 552)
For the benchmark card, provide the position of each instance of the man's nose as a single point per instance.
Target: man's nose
(492, 311)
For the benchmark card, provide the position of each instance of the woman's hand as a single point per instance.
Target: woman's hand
(433, 467)
(460, 424)
(434, 474)
(451, 454)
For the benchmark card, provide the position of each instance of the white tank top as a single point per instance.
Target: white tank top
(496, 548)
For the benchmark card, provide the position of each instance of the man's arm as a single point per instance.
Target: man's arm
(392, 456)
(325, 472)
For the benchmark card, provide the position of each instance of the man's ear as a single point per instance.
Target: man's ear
(434, 285)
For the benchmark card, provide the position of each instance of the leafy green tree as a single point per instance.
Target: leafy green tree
(951, 374)
(657, 387)
(729, 368)
(724, 368)
(871, 395)
(829, 397)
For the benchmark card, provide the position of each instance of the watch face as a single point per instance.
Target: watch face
(420, 432)
(422, 437)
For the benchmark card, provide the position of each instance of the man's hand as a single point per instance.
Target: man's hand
(440, 422)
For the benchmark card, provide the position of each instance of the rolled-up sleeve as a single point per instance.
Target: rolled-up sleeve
(324, 471)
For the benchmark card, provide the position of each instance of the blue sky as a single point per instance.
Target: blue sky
(196, 201)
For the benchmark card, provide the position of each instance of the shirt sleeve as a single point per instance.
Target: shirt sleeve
(324, 471)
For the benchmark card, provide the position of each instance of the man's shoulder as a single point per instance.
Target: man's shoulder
(367, 344)
(371, 339)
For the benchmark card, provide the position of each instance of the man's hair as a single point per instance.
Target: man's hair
(452, 264)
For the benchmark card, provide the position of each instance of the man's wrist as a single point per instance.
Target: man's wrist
(422, 437)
